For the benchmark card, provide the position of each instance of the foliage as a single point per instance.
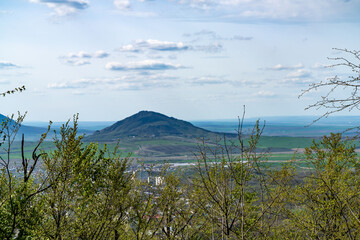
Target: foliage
(17, 186)
(80, 192)
(327, 201)
(17, 89)
(232, 191)
(89, 190)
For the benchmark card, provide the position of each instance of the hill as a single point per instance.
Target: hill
(148, 124)
(2, 117)
(30, 132)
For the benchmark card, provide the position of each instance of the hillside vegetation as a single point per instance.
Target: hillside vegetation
(147, 124)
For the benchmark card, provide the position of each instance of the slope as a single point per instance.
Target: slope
(148, 124)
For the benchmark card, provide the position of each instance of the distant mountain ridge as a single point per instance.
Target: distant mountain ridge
(30, 132)
(148, 124)
(2, 118)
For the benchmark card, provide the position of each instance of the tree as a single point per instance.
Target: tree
(18, 187)
(143, 211)
(325, 205)
(88, 197)
(232, 189)
(176, 212)
(330, 101)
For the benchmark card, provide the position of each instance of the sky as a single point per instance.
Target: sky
(190, 59)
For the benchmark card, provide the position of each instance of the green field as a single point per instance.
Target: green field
(180, 150)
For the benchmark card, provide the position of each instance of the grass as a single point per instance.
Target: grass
(175, 150)
(285, 142)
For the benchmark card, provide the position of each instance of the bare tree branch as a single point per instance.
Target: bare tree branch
(331, 102)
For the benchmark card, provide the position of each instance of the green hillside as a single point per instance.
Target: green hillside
(147, 124)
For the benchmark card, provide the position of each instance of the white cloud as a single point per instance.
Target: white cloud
(82, 58)
(126, 82)
(265, 94)
(6, 64)
(203, 4)
(205, 32)
(79, 62)
(156, 45)
(124, 8)
(300, 76)
(320, 66)
(241, 38)
(248, 83)
(292, 81)
(64, 7)
(59, 85)
(80, 83)
(208, 80)
(214, 36)
(300, 73)
(122, 4)
(141, 46)
(283, 10)
(220, 80)
(162, 45)
(101, 54)
(280, 67)
(79, 55)
(211, 48)
(129, 48)
(145, 65)
(130, 86)
(143, 85)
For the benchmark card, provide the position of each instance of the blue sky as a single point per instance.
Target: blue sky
(191, 59)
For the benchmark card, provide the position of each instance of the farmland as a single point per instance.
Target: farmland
(282, 140)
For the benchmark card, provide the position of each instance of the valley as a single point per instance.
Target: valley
(154, 138)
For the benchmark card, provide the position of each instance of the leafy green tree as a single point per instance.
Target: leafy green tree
(144, 211)
(326, 204)
(89, 190)
(160, 206)
(176, 213)
(18, 186)
(232, 188)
